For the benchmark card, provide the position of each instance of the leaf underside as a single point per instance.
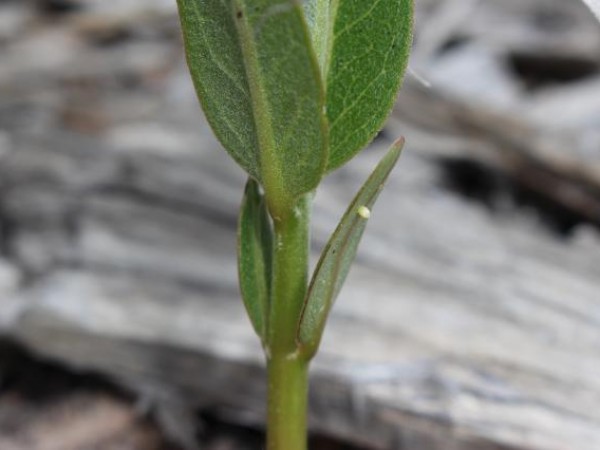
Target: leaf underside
(255, 247)
(363, 49)
(258, 82)
(339, 253)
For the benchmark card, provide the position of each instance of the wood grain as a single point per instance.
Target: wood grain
(455, 325)
(461, 326)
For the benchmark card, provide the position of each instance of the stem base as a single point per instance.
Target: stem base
(287, 403)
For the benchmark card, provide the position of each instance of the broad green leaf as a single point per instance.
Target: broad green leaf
(363, 48)
(337, 257)
(255, 247)
(258, 82)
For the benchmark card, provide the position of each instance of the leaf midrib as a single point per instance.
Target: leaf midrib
(325, 16)
(269, 167)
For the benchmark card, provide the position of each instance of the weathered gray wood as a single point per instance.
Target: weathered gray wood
(456, 326)
(478, 108)
(459, 328)
(559, 165)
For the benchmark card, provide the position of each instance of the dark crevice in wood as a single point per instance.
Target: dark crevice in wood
(112, 38)
(7, 229)
(58, 7)
(538, 70)
(453, 43)
(489, 186)
(42, 381)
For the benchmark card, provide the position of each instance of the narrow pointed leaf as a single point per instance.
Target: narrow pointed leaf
(339, 253)
(258, 82)
(363, 49)
(255, 247)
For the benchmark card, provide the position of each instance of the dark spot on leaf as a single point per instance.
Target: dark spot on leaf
(239, 14)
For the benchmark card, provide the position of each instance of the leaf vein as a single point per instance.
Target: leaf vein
(360, 96)
(351, 25)
(212, 55)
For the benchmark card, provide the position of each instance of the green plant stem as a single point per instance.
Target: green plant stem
(287, 368)
(287, 403)
(289, 277)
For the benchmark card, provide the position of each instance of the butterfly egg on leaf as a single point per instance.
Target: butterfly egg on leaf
(364, 212)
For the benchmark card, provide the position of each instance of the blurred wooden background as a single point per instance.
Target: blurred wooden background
(471, 319)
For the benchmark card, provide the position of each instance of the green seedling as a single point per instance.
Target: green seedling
(293, 90)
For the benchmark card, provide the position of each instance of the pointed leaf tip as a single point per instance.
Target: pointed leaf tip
(339, 253)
